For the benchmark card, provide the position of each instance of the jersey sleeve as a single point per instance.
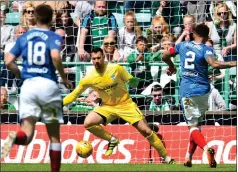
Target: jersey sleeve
(125, 76)
(208, 52)
(82, 86)
(55, 43)
(177, 47)
(16, 50)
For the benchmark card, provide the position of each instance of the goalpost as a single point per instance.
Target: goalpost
(219, 126)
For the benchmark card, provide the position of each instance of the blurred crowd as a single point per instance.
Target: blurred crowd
(84, 25)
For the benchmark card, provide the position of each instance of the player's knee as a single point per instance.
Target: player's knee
(54, 139)
(29, 139)
(145, 131)
(87, 124)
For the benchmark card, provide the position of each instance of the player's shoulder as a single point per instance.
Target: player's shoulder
(113, 65)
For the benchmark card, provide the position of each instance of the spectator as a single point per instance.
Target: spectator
(65, 22)
(128, 35)
(136, 5)
(55, 5)
(28, 18)
(19, 30)
(198, 9)
(171, 12)
(159, 102)
(7, 31)
(215, 100)
(82, 9)
(97, 25)
(87, 104)
(139, 62)
(189, 25)
(231, 5)
(155, 34)
(70, 76)
(110, 51)
(223, 33)
(4, 104)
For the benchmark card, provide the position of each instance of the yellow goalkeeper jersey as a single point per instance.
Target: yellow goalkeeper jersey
(110, 85)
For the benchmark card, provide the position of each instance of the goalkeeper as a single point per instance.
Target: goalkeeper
(109, 80)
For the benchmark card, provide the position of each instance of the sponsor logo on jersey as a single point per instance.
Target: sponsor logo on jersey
(37, 70)
(208, 52)
(113, 76)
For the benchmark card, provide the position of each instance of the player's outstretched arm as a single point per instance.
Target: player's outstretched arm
(133, 82)
(74, 94)
(126, 77)
(216, 64)
(11, 65)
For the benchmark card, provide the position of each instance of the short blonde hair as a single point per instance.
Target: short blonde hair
(216, 17)
(168, 37)
(136, 25)
(161, 20)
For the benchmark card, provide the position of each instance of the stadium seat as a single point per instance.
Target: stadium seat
(13, 18)
(119, 18)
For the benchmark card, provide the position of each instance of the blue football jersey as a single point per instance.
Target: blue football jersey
(35, 47)
(194, 68)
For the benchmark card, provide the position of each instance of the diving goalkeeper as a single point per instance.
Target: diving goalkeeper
(109, 80)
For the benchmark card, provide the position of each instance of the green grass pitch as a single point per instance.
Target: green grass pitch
(115, 167)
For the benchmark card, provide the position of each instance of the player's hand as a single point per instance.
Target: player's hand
(133, 82)
(171, 70)
(67, 83)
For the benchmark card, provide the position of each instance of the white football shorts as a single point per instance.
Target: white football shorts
(194, 108)
(40, 98)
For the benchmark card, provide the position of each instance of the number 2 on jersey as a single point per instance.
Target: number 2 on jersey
(189, 61)
(36, 53)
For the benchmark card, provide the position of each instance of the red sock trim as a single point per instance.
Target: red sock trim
(21, 138)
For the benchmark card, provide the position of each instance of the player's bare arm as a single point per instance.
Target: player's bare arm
(11, 65)
(216, 64)
(166, 57)
(55, 54)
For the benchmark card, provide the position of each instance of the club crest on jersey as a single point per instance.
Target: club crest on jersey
(57, 42)
(113, 76)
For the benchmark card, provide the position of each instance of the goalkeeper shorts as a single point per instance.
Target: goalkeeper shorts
(129, 112)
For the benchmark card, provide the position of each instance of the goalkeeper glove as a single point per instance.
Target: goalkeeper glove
(133, 82)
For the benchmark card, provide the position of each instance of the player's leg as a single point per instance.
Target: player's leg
(53, 130)
(194, 110)
(153, 139)
(21, 137)
(93, 123)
